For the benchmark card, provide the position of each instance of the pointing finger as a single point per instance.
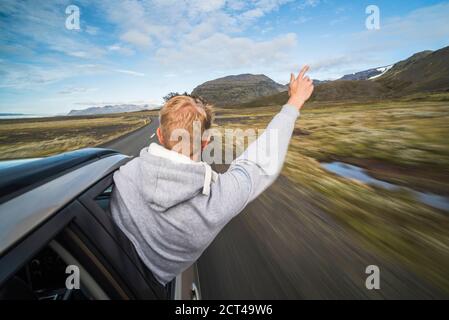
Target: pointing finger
(292, 78)
(303, 72)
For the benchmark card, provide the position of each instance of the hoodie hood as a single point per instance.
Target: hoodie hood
(165, 178)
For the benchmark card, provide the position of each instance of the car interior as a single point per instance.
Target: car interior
(44, 278)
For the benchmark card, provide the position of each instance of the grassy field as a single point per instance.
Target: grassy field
(38, 137)
(400, 141)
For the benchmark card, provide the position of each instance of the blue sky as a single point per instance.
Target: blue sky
(137, 51)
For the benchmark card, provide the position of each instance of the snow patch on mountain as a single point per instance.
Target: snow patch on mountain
(382, 71)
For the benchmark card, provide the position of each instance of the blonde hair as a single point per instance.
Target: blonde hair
(181, 112)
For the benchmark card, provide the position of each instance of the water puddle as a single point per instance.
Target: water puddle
(356, 173)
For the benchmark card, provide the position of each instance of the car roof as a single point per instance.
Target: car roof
(21, 177)
(11, 163)
(57, 182)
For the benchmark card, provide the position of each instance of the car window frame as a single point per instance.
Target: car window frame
(116, 247)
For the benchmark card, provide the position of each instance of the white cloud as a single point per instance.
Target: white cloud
(121, 49)
(423, 25)
(137, 38)
(253, 14)
(130, 72)
(260, 8)
(220, 51)
(203, 33)
(326, 64)
(91, 30)
(206, 5)
(150, 102)
(308, 4)
(236, 5)
(43, 25)
(214, 23)
(25, 76)
(336, 66)
(76, 90)
(20, 76)
(164, 22)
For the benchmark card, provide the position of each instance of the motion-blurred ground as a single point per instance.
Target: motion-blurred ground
(313, 233)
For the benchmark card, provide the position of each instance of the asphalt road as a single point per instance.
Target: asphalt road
(283, 246)
(133, 142)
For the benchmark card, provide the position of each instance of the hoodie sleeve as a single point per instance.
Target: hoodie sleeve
(261, 163)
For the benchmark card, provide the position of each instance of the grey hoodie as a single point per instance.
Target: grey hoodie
(171, 208)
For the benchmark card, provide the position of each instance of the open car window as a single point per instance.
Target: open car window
(52, 274)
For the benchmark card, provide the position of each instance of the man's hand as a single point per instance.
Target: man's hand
(300, 89)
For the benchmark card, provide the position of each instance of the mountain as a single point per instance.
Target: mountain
(338, 90)
(109, 109)
(424, 72)
(317, 82)
(238, 89)
(367, 74)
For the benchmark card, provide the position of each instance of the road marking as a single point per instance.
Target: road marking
(152, 136)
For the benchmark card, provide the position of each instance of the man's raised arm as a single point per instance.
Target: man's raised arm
(261, 163)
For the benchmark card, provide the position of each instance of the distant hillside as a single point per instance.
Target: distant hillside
(109, 109)
(359, 90)
(339, 90)
(426, 71)
(423, 72)
(238, 89)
